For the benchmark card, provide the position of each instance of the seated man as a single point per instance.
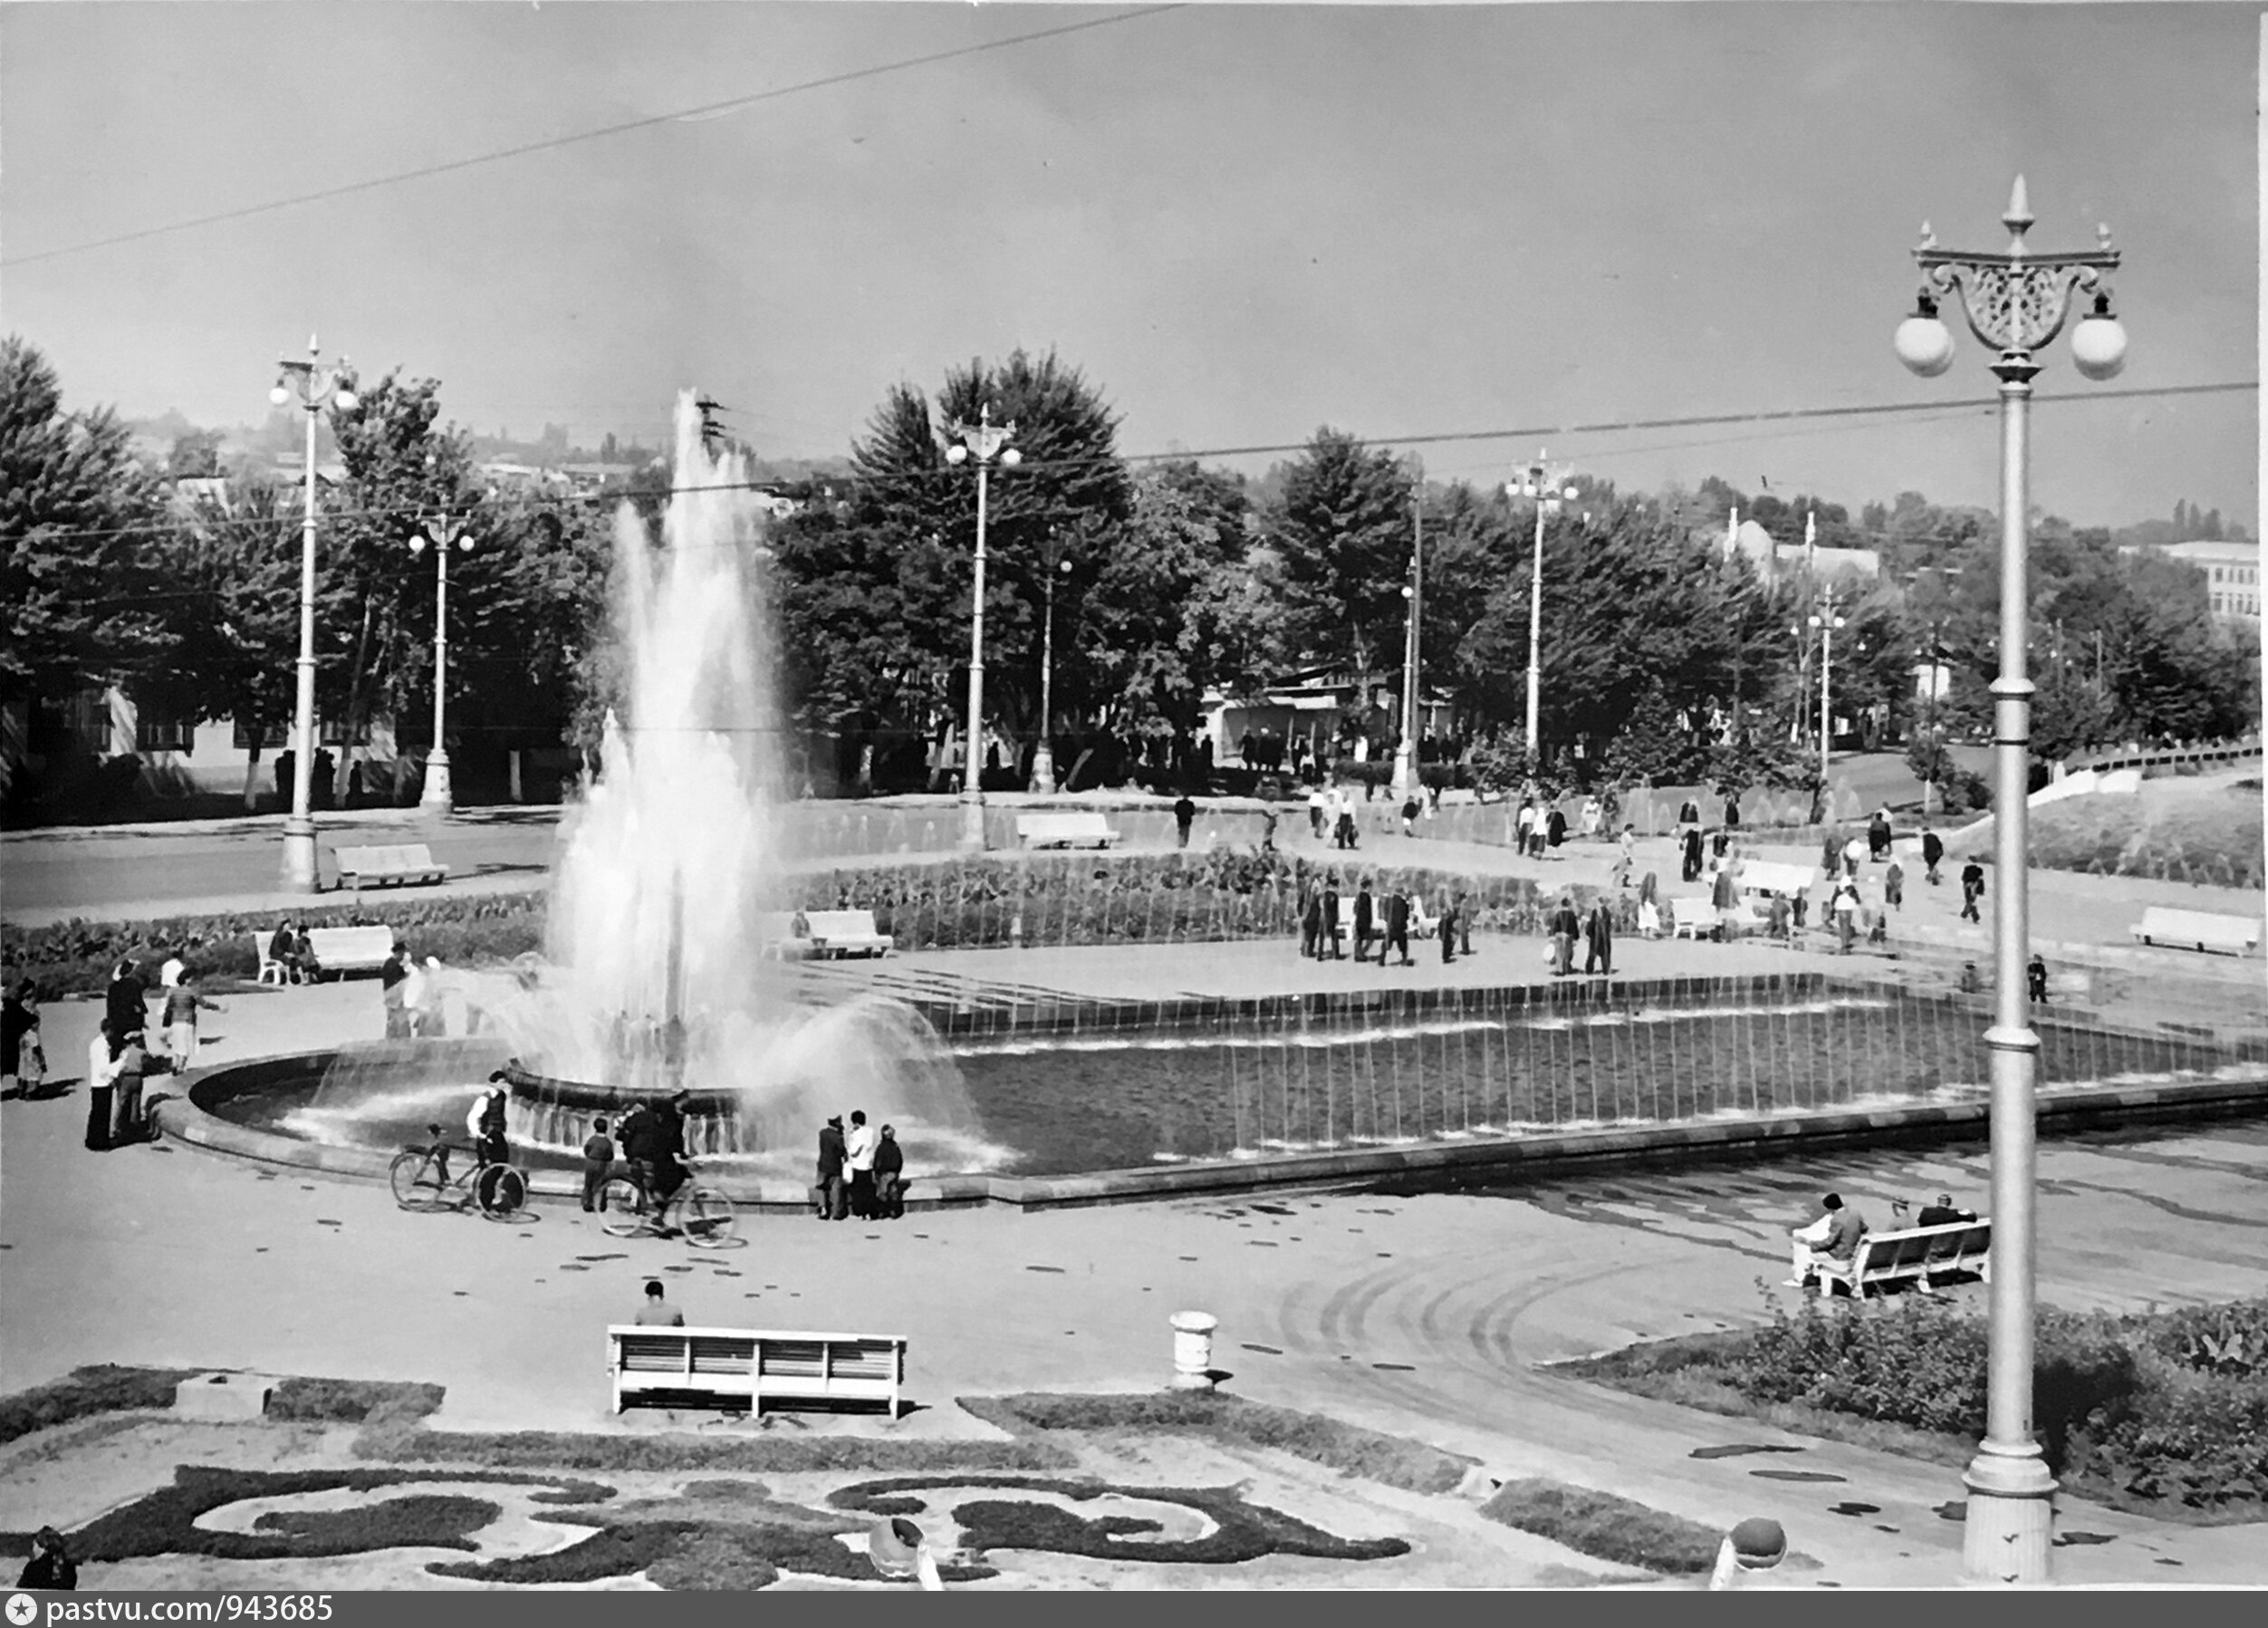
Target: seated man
(658, 1313)
(1831, 1239)
(1942, 1214)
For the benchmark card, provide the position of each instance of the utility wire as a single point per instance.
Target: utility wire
(551, 143)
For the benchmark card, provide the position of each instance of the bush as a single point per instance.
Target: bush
(1604, 1526)
(351, 1400)
(85, 1392)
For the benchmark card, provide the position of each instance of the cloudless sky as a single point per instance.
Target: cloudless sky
(1242, 222)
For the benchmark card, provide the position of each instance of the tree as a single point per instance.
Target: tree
(196, 455)
(1340, 534)
(76, 511)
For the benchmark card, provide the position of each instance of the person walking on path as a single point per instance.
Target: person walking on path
(1879, 835)
(1627, 856)
(1599, 941)
(1894, 886)
(2035, 978)
(1524, 826)
(1347, 837)
(1845, 905)
(126, 1002)
(1318, 805)
(1185, 814)
(598, 1162)
(858, 1150)
(1972, 890)
(1448, 930)
(1397, 927)
(101, 1081)
(1566, 926)
(1724, 899)
(1332, 930)
(1690, 871)
(1830, 852)
(23, 1060)
(1365, 918)
(182, 1004)
(1411, 809)
(658, 1313)
(126, 1093)
(1463, 925)
(890, 1176)
(1933, 850)
(1312, 928)
(1555, 827)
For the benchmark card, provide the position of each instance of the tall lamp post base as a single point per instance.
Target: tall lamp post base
(439, 796)
(298, 854)
(1405, 781)
(1042, 770)
(972, 822)
(2011, 1510)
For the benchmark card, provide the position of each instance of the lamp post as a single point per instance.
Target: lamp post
(1538, 486)
(440, 534)
(984, 440)
(314, 387)
(1826, 622)
(1406, 778)
(2016, 302)
(1043, 755)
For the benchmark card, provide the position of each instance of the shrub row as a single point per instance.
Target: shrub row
(1604, 1526)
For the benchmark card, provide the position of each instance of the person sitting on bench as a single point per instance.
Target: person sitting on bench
(658, 1313)
(1831, 1240)
(1942, 1214)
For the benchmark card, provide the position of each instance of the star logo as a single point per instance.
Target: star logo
(22, 1609)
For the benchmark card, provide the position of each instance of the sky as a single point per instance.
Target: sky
(1240, 222)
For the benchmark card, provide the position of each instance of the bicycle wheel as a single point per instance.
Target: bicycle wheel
(707, 1218)
(621, 1217)
(417, 1184)
(502, 1192)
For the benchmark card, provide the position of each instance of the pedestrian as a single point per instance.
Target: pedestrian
(1720, 844)
(2035, 976)
(1803, 903)
(1185, 814)
(391, 976)
(1524, 826)
(1688, 813)
(1598, 940)
(1566, 926)
(1463, 925)
(182, 1004)
(1318, 805)
(1933, 849)
(1628, 857)
(1894, 886)
(1879, 834)
(1267, 829)
(1555, 827)
(1691, 869)
(1845, 905)
(1365, 918)
(890, 1176)
(1724, 899)
(1397, 927)
(170, 975)
(101, 1080)
(1332, 929)
(829, 1199)
(1972, 890)
(1732, 811)
(598, 1162)
(125, 1002)
(23, 1059)
(486, 1122)
(1854, 855)
(658, 1313)
(1446, 929)
(1411, 809)
(51, 1566)
(858, 1153)
(1777, 917)
(1312, 928)
(1830, 851)
(126, 1092)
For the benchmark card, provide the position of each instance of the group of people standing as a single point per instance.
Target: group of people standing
(124, 1052)
(1596, 929)
(1333, 807)
(861, 1171)
(1390, 922)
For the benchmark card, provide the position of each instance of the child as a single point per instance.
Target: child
(598, 1158)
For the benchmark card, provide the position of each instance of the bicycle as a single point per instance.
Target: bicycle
(420, 1178)
(705, 1215)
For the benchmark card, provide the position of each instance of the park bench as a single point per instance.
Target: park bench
(845, 933)
(1692, 919)
(721, 1367)
(1774, 876)
(2199, 930)
(784, 935)
(1918, 1253)
(1064, 830)
(403, 864)
(336, 949)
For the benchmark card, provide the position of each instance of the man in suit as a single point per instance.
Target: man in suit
(1397, 927)
(1330, 925)
(1598, 939)
(1566, 927)
(1365, 918)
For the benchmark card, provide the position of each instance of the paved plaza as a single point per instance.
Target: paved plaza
(1430, 1317)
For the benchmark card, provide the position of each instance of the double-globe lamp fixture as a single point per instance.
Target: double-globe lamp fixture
(1545, 489)
(2016, 302)
(984, 441)
(314, 388)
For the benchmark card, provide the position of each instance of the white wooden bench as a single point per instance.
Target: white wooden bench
(2199, 930)
(338, 949)
(1064, 830)
(784, 935)
(1692, 919)
(716, 1367)
(1774, 876)
(1919, 1253)
(845, 933)
(400, 865)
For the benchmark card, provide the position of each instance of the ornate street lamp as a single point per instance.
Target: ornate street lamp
(1404, 785)
(440, 535)
(314, 388)
(1543, 489)
(2016, 302)
(1043, 755)
(984, 440)
(1824, 625)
